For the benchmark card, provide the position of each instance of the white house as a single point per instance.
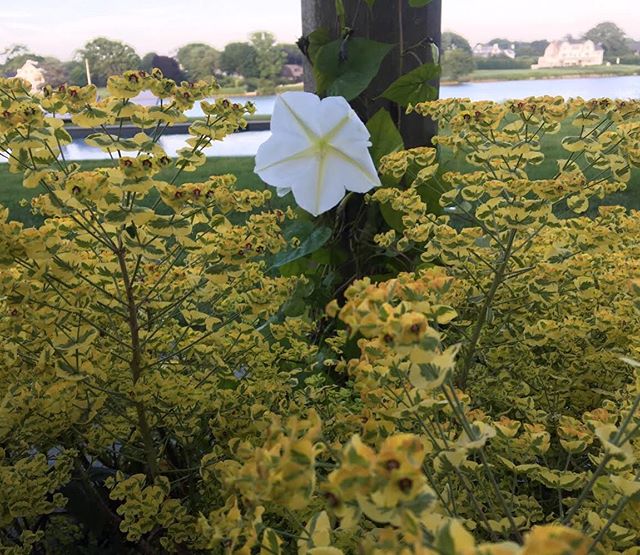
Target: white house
(490, 50)
(566, 53)
(32, 73)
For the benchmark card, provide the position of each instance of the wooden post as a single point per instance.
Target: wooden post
(394, 22)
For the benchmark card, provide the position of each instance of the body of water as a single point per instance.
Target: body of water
(247, 143)
(586, 87)
(238, 144)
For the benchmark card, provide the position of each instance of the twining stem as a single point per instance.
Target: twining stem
(401, 48)
(135, 365)
(498, 278)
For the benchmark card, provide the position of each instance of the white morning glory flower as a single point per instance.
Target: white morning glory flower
(318, 149)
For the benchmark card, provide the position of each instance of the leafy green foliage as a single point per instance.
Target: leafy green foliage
(613, 39)
(293, 54)
(199, 61)
(454, 41)
(240, 58)
(315, 40)
(108, 57)
(385, 137)
(415, 86)
(347, 69)
(457, 64)
(308, 238)
(269, 57)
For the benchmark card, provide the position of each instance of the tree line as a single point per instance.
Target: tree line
(458, 61)
(256, 63)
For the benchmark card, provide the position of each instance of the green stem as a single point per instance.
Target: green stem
(135, 366)
(611, 520)
(484, 311)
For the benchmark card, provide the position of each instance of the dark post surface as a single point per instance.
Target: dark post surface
(393, 22)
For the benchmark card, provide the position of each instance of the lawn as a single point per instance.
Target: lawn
(553, 151)
(11, 191)
(553, 73)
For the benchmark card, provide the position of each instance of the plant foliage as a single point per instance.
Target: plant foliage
(486, 401)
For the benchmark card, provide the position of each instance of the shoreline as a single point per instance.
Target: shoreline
(541, 78)
(450, 83)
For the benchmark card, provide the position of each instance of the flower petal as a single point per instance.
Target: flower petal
(356, 170)
(287, 174)
(275, 156)
(333, 111)
(322, 189)
(318, 150)
(297, 114)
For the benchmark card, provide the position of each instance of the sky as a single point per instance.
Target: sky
(59, 27)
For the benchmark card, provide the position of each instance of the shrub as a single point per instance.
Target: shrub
(502, 62)
(484, 402)
(132, 315)
(457, 64)
(633, 59)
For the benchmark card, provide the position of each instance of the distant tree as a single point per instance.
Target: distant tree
(14, 58)
(534, 48)
(76, 73)
(55, 71)
(453, 41)
(294, 56)
(269, 57)
(169, 66)
(198, 60)
(147, 61)
(613, 39)
(108, 57)
(13, 51)
(240, 58)
(502, 43)
(457, 64)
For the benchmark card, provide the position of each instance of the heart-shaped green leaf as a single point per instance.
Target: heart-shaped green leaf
(414, 87)
(346, 70)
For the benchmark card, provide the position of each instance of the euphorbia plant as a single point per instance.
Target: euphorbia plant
(131, 310)
(149, 370)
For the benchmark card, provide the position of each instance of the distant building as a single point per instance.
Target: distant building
(293, 72)
(567, 53)
(32, 73)
(491, 50)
